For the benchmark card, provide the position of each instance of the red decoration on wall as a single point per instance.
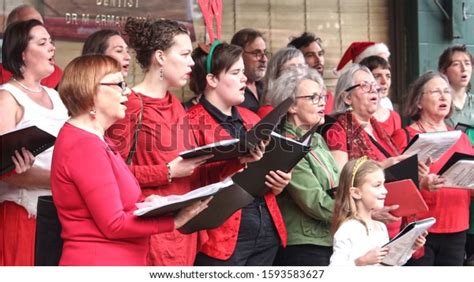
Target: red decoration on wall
(212, 9)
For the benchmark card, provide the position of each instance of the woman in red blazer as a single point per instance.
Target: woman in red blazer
(252, 235)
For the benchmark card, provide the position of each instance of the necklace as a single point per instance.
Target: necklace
(422, 128)
(27, 88)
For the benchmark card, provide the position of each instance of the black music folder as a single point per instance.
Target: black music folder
(406, 169)
(234, 193)
(32, 138)
(456, 157)
(222, 206)
(463, 127)
(282, 153)
(228, 197)
(233, 148)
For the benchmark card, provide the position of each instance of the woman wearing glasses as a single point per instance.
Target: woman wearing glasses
(429, 104)
(282, 60)
(305, 203)
(95, 195)
(356, 132)
(388, 118)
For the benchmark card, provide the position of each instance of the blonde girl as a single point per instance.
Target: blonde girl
(358, 239)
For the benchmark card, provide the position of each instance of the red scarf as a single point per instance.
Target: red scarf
(358, 140)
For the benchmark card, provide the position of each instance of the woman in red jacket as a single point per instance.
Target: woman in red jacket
(93, 190)
(429, 103)
(252, 235)
(155, 129)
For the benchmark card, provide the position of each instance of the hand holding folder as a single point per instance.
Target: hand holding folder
(406, 195)
(237, 192)
(401, 246)
(458, 171)
(233, 148)
(281, 154)
(32, 138)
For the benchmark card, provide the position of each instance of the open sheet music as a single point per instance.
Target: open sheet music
(233, 148)
(433, 144)
(460, 175)
(401, 246)
(172, 203)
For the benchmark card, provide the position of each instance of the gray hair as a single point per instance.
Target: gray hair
(346, 80)
(287, 84)
(416, 90)
(274, 68)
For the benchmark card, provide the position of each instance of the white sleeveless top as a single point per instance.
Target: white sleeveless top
(49, 120)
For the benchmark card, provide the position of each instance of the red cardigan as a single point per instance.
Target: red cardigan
(95, 195)
(222, 240)
(450, 207)
(163, 135)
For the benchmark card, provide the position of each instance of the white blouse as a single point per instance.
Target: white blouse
(351, 241)
(49, 120)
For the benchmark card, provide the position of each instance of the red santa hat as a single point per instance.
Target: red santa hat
(357, 51)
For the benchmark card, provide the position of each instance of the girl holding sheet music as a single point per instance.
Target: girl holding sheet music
(252, 235)
(358, 239)
(429, 104)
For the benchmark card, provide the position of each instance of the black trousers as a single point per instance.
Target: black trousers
(470, 246)
(48, 242)
(445, 249)
(257, 242)
(303, 255)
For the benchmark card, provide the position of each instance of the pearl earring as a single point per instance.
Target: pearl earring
(92, 113)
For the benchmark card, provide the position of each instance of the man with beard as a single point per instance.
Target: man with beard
(312, 48)
(255, 57)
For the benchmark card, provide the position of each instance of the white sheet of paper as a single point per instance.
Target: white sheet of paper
(145, 207)
(433, 144)
(400, 247)
(460, 175)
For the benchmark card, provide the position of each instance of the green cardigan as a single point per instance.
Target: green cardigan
(306, 207)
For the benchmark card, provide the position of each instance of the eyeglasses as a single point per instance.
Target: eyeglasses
(259, 54)
(315, 98)
(438, 92)
(366, 87)
(121, 84)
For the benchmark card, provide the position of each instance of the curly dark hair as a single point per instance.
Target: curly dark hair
(304, 40)
(147, 35)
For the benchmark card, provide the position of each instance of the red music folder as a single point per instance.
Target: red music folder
(405, 194)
